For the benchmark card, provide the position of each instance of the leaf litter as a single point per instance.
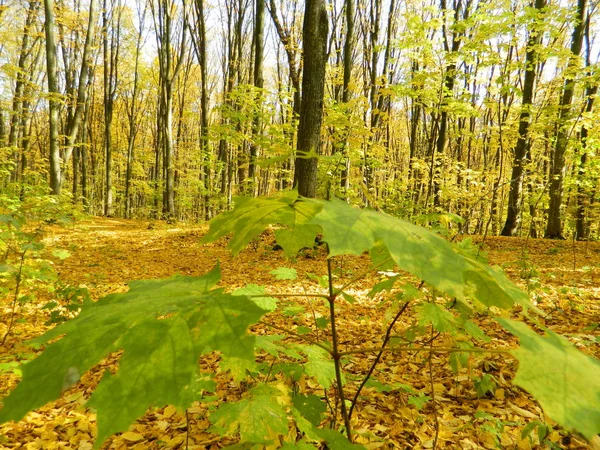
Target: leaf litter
(475, 407)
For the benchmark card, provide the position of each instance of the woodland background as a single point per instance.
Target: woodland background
(168, 108)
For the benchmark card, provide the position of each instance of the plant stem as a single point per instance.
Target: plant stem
(335, 351)
(372, 368)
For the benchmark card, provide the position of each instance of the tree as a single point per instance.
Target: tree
(259, 82)
(111, 31)
(515, 196)
(460, 13)
(132, 111)
(53, 97)
(168, 31)
(314, 38)
(554, 228)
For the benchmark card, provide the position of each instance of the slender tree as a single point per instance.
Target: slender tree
(53, 97)
(258, 79)
(554, 228)
(170, 62)
(515, 196)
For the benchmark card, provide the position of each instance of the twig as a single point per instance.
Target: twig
(335, 353)
(432, 385)
(377, 358)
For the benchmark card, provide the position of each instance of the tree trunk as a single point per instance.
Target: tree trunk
(448, 88)
(348, 43)
(554, 228)
(74, 121)
(53, 99)
(316, 24)
(591, 90)
(515, 195)
(258, 83)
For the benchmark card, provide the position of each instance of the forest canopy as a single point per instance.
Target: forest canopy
(169, 108)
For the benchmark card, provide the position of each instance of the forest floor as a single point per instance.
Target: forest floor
(563, 276)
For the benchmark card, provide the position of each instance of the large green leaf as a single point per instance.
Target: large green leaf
(162, 326)
(251, 216)
(564, 380)
(260, 417)
(349, 230)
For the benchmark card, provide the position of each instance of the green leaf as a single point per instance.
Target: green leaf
(437, 316)
(565, 381)
(484, 385)
(61, 254)
(292, 240)
(334, 439)
(284, 273)
(349, 298)
(319, 365)
(322, 322)
(237, 367)
(260, 418)
(270, 344)
(252, 291)
(348, 230)
(162, 326)
(418, 401)
(251, 216)
(385, 285)
(473, 330)
(301, 445)
(380, 255)
(310, 406)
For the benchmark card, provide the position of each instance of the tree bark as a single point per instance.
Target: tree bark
(315, 29)
(259, 84)
(53, 97)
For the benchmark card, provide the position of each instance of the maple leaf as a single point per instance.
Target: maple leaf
(568, 387)
(162, 326)
(438, 317)
(349, 230)
(284, 273)
(259, 417)
(251, 216)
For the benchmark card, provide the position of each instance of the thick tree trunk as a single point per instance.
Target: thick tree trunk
(316, 24)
